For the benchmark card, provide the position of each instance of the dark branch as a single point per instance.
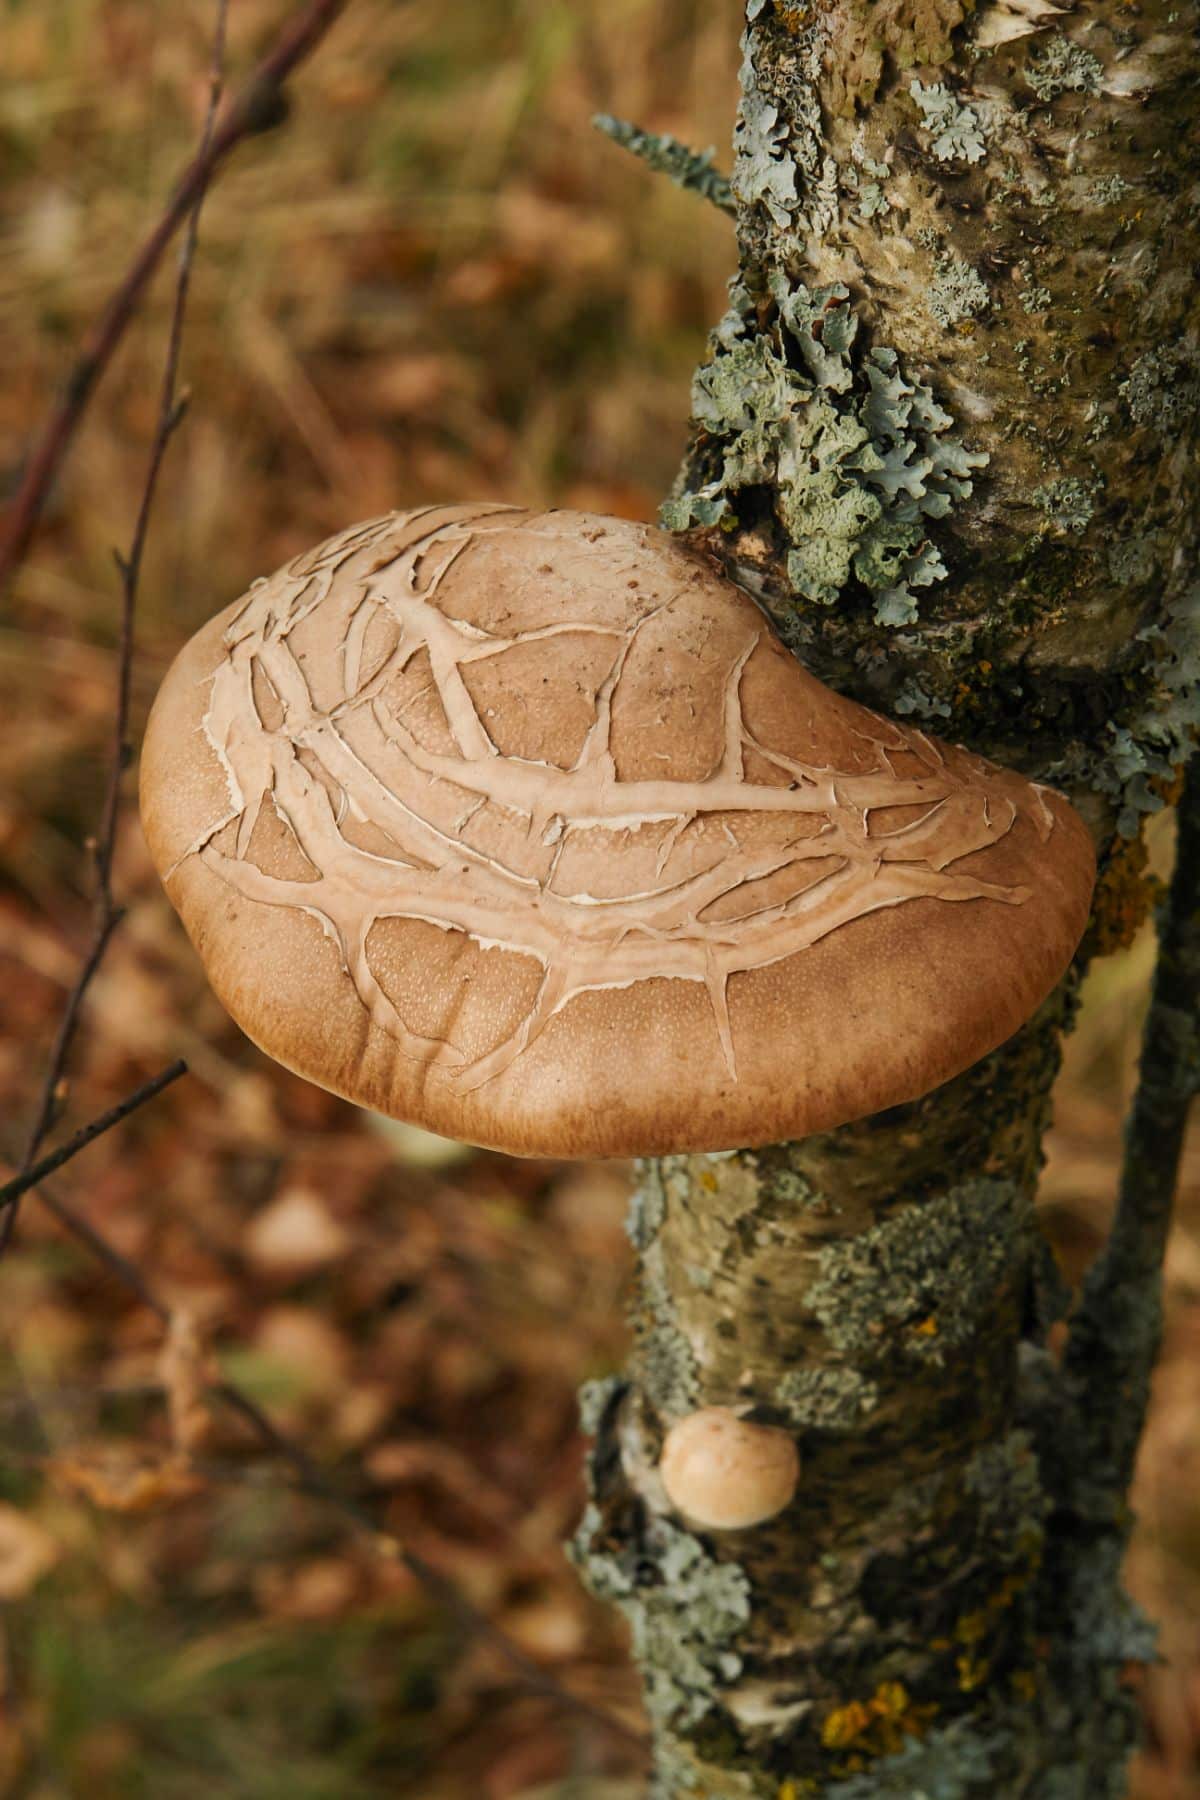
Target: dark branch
(11, 1191)
(170, 412)
(1116, 1334)
(253, 109)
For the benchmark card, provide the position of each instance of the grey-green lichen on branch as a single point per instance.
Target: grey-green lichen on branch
(947, 435)
(857, 458)
(690, 169)
(1013, 220)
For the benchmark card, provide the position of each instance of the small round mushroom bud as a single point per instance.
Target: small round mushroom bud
(725, 1473)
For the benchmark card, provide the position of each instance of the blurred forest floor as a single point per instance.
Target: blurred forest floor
(434, 281)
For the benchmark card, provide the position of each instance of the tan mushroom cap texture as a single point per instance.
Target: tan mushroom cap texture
(525, 828)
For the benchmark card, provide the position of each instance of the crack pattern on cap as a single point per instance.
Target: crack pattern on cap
(385, 765)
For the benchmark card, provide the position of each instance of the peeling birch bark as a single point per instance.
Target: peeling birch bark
(947, 436)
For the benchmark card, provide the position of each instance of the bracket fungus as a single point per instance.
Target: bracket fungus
(524, 827)
(726, 1473)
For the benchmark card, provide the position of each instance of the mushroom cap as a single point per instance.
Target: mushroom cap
(725, 1473)
(524, 827)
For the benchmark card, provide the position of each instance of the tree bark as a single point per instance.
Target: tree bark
(946, 435)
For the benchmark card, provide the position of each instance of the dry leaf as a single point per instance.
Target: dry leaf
(125, 1481)
(295, 1235)
(27, 1552)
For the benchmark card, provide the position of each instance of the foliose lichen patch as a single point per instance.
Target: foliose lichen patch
(685, 1610)
(954, 129)
(1058, 67)
(829, 1398)
(859, 458)
(922, 1279)
(957, 292)
(1147, 750)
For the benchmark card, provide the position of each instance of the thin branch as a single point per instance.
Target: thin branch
(1117, 1330)
(11, 1191)
(313, 1482)
(255, 108)
(107, 914)
(60, 1050)
(170, 415)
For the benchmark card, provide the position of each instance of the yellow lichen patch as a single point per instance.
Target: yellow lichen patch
(877, 1726)
(1125, 893)
(973, 1671)
(844, 1725)
(972, 1628)
(708, 1182)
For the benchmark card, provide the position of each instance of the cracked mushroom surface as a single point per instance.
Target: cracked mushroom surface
(524, 827)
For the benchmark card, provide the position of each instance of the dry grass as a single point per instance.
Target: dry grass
(434, 281)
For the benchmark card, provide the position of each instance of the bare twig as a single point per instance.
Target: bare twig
(312, 1481)
(107, 914)
(1116, 1333)
(11, 1191)
(255, 107)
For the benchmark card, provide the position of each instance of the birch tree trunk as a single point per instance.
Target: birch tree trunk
(946, 435)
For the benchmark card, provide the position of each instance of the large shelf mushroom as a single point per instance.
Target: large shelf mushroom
(524, 828)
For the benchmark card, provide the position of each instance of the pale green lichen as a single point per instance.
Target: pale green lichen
(923, 1279)
(957, 1762)
(912, 698)
(832, 1398)
(685, 1610)
(763, 171)
(647, 1205)
(780, 162)
(1110, 1627)
(787, 1187)
(1060, 67)
(864, 175)
(1146, 752)
(1163, 388)
(957, 292)
(690, 169)
(666, 1359)
(858, 458)
(1133, 561)
(674, 1773)
(1005, 1478)
(1109, 190)
(594, 1399)
(1069, 503)
(953, 126)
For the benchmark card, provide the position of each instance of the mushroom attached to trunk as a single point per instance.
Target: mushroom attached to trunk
(525, 828)
(725, 1472)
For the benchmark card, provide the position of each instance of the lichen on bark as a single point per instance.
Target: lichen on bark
(966, 241)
